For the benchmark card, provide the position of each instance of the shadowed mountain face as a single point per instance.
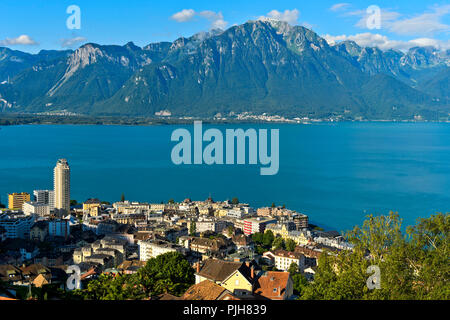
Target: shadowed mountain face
(260, 67)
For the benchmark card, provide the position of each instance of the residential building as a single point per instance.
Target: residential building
(92, 207)
(152, 248)
(287, 231)
(283, 259)
(29, 251)
(39, 209)
(10, 274)
(258, 224)
(332, 239)
(16, 225)
(274, 285)
(61, 181)
(2, 234)
(59, 228)
(300, 220)
(236, 213)
(132, 219)
(206, 246)
(39, 230)
(107, 253)
(207, 290)
(213, 225)
(236, 277)
(16, 200)
(130, 266)
(45, 197)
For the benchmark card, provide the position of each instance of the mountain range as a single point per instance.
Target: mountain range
(258, 67)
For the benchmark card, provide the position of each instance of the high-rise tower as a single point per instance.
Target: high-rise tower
(61, 182)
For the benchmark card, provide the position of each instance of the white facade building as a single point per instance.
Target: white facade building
(283, 259)
(61, 181)
(152, 248)
(16, 225)
(36, 208)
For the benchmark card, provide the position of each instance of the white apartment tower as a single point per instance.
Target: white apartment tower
(61, 182)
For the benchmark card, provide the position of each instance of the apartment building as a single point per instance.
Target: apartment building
(16, 200)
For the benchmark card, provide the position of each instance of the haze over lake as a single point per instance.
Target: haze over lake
(335, 173)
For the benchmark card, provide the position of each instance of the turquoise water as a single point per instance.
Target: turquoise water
(335, 173)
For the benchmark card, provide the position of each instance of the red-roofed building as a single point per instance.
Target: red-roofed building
(274, 285)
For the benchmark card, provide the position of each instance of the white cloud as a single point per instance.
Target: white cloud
(24, 40)
(69, 43)
(387, 17)
(184, 15)
(425, 23)
(216, 18)
(339, 6)
(384, 43)
(289, 16)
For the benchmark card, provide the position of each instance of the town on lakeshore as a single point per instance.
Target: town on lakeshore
(236, 252)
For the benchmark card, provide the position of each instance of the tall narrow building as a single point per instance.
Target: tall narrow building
(61, 181)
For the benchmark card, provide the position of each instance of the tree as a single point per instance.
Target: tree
(293, 268)
(268, 238)
(257, 237)
(230, 230)
(278, 243)
(73, 202)
(412, 265)
(167, 273)
(171, 201)
(290, 245)
(273, 204)
(122, 198)
(235, 201)
(300, 283)
(192, 228)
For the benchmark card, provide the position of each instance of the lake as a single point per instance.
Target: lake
(336, 173)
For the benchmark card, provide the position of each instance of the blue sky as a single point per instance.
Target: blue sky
(32, 25)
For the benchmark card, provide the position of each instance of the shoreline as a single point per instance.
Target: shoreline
(28, 119)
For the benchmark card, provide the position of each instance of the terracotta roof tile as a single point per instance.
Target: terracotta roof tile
(205, 290)
(272, 285)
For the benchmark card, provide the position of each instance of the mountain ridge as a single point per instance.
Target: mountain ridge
(259, 67)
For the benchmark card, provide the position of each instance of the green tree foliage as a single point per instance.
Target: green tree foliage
(413, 264)
(268, 238)
(278, 243)
(192, 228)
(171, 201)
(230, 230)
(167, 273)
(235, 201)
(300, 283)
(290, 245)
(293, 268)
(122, 198)
(258, 237)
